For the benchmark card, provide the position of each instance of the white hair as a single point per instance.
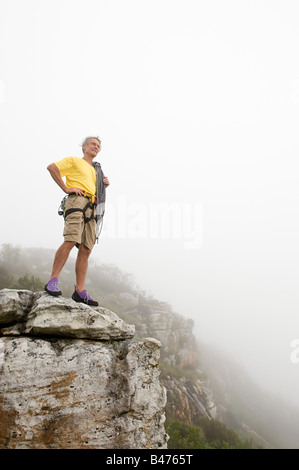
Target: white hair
(87, 139)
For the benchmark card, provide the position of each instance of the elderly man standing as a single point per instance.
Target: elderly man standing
(80, 215)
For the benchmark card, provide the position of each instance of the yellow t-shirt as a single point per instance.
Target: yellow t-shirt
(78, 173)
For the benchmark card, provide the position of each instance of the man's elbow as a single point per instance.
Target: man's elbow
(51, 167)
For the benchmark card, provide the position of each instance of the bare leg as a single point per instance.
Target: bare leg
(81, 267)
(61, 257)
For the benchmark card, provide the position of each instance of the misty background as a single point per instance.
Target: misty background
(197, 106)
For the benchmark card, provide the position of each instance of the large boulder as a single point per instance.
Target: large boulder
(73, 377)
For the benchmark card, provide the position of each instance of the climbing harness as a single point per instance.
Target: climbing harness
(91, 204)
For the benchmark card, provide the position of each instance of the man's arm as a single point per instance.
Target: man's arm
(55, 173)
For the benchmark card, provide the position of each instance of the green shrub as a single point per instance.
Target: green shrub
(30, 283)
(210, 434)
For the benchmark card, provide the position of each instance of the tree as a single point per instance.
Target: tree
(29, 283)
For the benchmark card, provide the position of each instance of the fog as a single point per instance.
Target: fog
(197, 106)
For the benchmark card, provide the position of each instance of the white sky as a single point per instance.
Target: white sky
(196, 103)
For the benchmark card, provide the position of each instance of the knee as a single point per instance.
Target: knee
(69, 245)
(84, 251)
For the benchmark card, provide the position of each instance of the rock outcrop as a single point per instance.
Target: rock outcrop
(72, 376)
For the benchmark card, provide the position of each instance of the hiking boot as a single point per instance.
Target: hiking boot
(53, 287)
(84, 298)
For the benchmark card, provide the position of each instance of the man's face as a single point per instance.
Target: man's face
(92, 148)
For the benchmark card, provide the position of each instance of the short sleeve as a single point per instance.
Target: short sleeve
(65, 165)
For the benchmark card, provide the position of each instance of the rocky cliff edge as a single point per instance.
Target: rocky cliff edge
(72, 376)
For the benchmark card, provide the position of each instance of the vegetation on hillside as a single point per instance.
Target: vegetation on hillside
(210, 434)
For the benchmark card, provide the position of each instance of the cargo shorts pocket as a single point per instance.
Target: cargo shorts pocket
(73, 226)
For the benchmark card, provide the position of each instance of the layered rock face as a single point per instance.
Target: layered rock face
(187, 400)
(72, 376)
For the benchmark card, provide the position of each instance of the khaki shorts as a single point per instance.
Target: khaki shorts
(75, 229)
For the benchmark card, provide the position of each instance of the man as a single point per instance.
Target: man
(80, 223)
